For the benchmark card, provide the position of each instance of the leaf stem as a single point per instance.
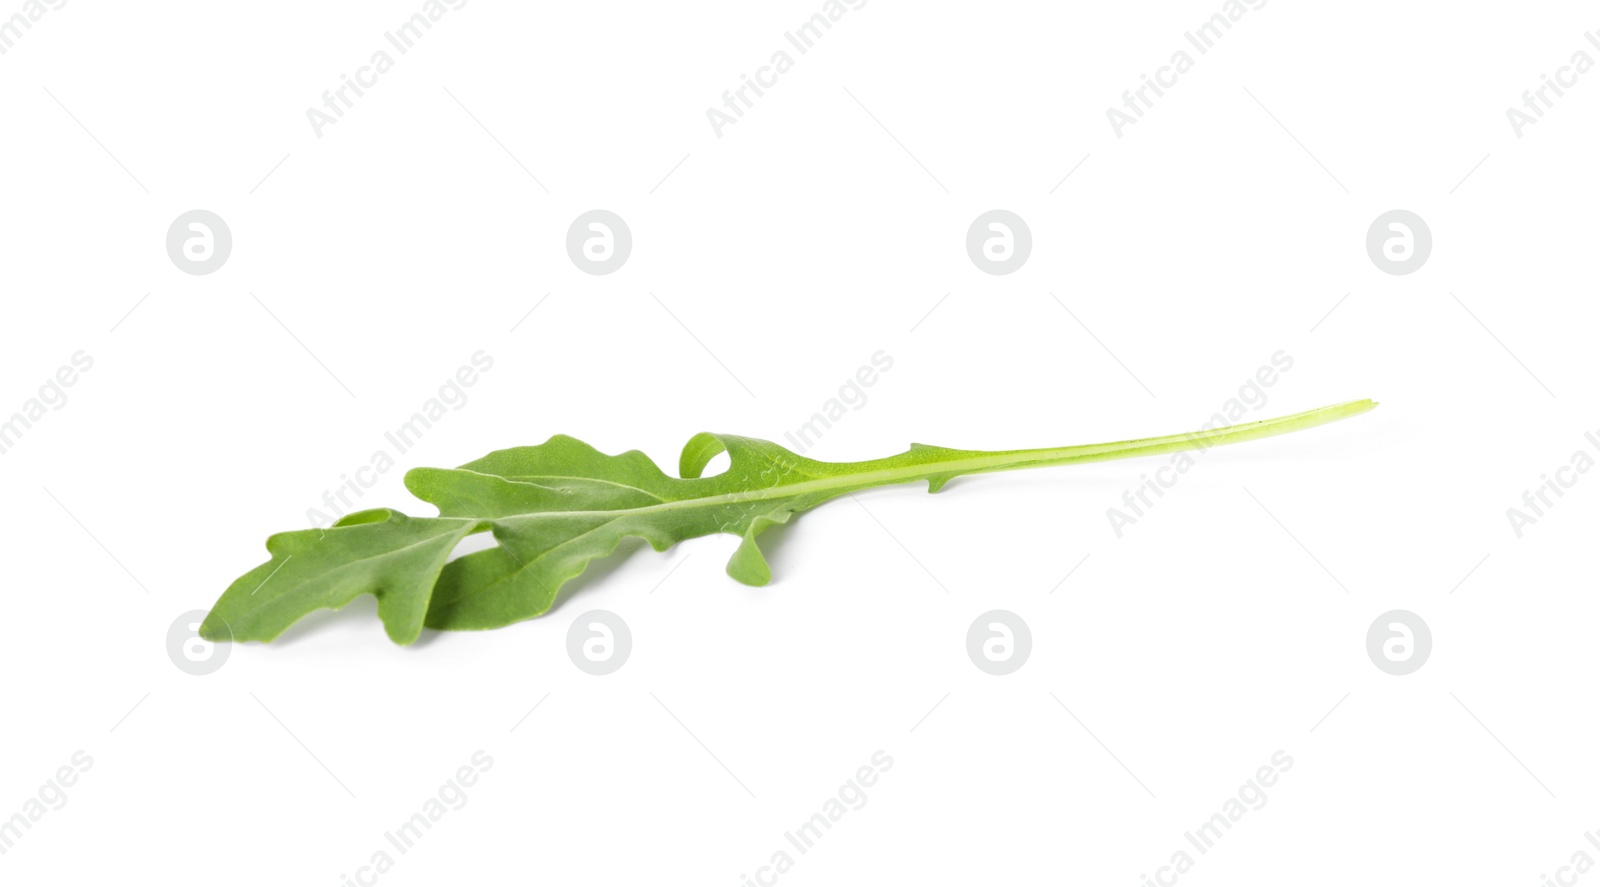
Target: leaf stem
(1151, 446)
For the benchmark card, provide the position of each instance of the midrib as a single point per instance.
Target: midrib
(996, 461)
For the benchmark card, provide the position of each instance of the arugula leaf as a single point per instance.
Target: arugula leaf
(557, 506)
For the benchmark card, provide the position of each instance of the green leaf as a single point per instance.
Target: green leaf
(555, 507)
(379, 552)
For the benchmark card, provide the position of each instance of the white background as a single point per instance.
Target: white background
(818, 230)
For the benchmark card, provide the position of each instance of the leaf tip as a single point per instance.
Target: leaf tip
(697, 453)
(367, 516)
(404, 636)
(215, 629)
(748, 565)
(416, 480)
